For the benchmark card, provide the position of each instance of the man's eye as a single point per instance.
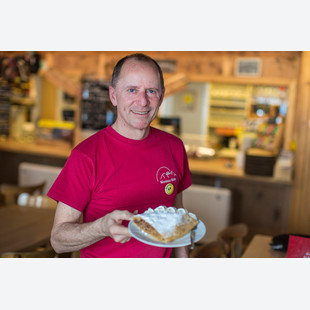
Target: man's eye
(152, 91)
(131, 90)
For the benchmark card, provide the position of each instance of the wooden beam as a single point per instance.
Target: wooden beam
(63, 81)
(175, 83)
(300, 207)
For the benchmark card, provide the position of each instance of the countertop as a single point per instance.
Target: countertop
(49, 149)
(218, 167)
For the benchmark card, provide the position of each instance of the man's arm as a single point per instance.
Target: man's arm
(181, 252)
(69, 234)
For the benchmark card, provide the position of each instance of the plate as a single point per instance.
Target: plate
(140, 235)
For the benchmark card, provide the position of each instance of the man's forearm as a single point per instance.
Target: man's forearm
(70, 237)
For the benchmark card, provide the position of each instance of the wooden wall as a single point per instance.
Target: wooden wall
(300, 202)
(275, 64)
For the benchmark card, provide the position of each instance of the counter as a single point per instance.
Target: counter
(227, 169)
(13, 153)
(214, 167)
(62, 150)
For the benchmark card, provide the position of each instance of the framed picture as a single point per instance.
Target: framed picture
(248, 67)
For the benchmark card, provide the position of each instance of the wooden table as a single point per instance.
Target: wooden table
(24, 228)
(259, 247)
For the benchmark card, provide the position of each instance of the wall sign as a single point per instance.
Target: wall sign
(248, 67)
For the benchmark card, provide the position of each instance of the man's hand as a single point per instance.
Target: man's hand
(181, 252)
(112, 225)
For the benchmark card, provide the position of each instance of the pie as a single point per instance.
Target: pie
(165, 224)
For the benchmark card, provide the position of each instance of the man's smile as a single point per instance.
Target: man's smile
(140, 112)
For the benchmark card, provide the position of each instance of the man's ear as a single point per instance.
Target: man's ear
(112, 94)
(162, 97)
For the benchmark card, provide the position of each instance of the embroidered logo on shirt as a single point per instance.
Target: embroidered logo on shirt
(169, 189)
(165, 175)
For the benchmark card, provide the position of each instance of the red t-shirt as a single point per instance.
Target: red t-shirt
(109, 172)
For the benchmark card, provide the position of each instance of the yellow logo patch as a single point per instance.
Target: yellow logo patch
(169, 189)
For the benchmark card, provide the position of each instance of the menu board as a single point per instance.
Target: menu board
(97, 111)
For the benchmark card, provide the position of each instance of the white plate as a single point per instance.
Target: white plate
(140, 235)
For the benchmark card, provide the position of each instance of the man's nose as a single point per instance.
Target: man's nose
(143, 98)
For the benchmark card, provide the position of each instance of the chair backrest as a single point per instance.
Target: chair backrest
(214, 249)
(46, 253)
(11, 192)
(233, 238)
(211, 205)
(38, 201)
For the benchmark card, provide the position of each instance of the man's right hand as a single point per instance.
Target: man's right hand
(112, 225)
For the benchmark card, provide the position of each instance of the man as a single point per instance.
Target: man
(118, 171)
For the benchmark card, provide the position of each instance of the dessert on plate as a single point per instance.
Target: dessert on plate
(165, 224)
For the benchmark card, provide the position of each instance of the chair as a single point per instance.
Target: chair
(38, 201)
(233, 239)
(11, 192)
(40, 253)
(212, 205)
(213, 249)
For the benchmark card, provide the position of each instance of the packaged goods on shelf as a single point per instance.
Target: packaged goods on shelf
(51, 130)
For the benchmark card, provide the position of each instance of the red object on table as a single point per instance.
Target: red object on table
(298, 247)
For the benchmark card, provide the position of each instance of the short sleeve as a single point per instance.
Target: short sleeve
(74, 184)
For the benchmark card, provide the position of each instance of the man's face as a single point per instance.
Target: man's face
(138, 96)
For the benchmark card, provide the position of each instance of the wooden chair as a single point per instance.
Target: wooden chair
(43, 253)
(37, 201)
(233, 239)
(11, 192)
(214, 249)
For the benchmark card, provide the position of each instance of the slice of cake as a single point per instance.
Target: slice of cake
(166, 224)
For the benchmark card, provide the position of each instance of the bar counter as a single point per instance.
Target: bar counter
(220, 167)
(217, 167)
(50, 149)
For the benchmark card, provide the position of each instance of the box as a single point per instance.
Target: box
(283, 169)
(259, 162)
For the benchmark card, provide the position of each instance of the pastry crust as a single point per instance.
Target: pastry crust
(165, 224)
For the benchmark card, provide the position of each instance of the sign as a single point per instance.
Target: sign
(248, 67)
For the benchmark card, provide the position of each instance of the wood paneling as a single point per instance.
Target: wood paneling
(48, 106)
(300, 207)
(275, 64)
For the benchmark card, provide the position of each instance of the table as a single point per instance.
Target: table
(24, 228)
(259, 247)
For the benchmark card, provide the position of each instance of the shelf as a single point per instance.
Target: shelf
(227, 103)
